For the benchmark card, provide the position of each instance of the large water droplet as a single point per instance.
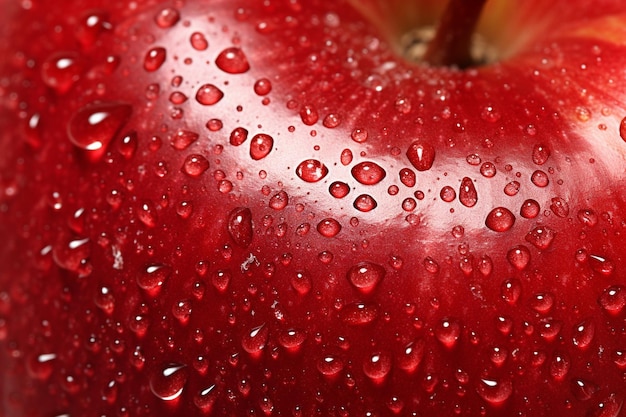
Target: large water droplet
(260, 146)
(208, 94)
(467, 193)
(495, 391)
(61, 70)
(233, 61)
(240, 226)
(541, 237)
(500, 219)
(365, 276)
(368, 173)
(329, 227)
(601, 265)
(421, 154)
(359, 314)
(169, 381)
(611, 406)
(311, 170)
(155, 57)
(93, 126)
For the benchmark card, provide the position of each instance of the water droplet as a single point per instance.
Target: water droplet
(311, 170)
(473, 159)
(601, 265)
(309, 115)
(91, 26)
(359, 314)
(359, 135)
(182, 139)
(365, 276)
(421, 155)
(540, 178)
(181, 310)
(233, 61)
(61, 70)
(329, 227)
(71, 254)
(365, 203)
(610, 406)
(331, 120)
(255, 340)
(346, 157)
(448, 332)
(198, 41)
(330, 365)
(407, 177)
(93, 126)
(221, 279)
(262, 86)
(301, 282)
(488, 170)
(377, 366)
(240, 226)
(169, 381)
(467, 193)
(167, 17)
(541, 237)
(559, 366)
(279, 200)
(40, 366)
(195, 165)
(153, 277)
(447, 194)
(542, 303)
(238, 136)
(411, 355)
(587, 217)
(339, 189)
(530, 209)
(510, 290)
(292, 339)
(583, 334)
(613, 299)
(368, 173)
(582, 389)
(260, 146)
(541, 153)
(147, 214)
(403, 105)
(519, 257)
(559, 207)
(512, 188)
(205, 399)
(431, 265)
(500, 219)
(494, 391)
(154, 59)
(208, 95)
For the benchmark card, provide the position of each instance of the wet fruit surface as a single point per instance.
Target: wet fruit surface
(256, 208)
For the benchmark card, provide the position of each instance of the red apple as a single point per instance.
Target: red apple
(232, 208)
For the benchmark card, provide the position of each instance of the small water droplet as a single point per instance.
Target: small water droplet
(541, 237)
(468, 196)
(260, 146)
(221, 279)
(169, 381)
(613, 299)
(494, 391)
(205, 399)
(587, 217)
(346, 157)
(559, 207)
(91, 25)
(510, 290)
(195, 165)
(301, 282)
(279, 200)
(421, 154)
(541, 153)
(198, 41)
(262, 86)
(500, 219)
(61, 70)
(153, 277)
(309, 115)
(331, 120)
(167, 17)
(530, 209)
(181, 310)
(583, 334)
(559, 366)
(359, 314)
(519, 257)
(233, 61)
(542, 302)
(365, 203)
(407, 177)
(155, 57)
(255, 340)
(447, 194)
(339, 189)
(238, 136)
(240, 226)
(540, 178)
(365, 276)
(512, 188)
(72, 254)
(368, 173)
(329, 227)
(431, 265)
(182, 139)
(411, 355)
(473, 159)
(330, 365)
(292, 339)
(93, 126)
(208, 95)
(488, 170)
(448, 332)
(311, 170)
(359, 135)
(377, 366)
(601, 265)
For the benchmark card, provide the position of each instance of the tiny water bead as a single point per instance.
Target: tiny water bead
(421, 154)
(233, 61)
(311, 170)
(95, 125)
(208, 95)
(154, 59)
(368, 173)
(168, 382)
(365, 276)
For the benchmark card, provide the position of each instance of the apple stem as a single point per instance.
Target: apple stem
(452, 43)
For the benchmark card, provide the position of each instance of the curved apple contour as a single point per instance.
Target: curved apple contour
(232, 208)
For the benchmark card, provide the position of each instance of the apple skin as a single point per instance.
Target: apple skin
(176, 271)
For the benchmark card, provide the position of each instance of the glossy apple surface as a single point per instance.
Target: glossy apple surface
(240, 208)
